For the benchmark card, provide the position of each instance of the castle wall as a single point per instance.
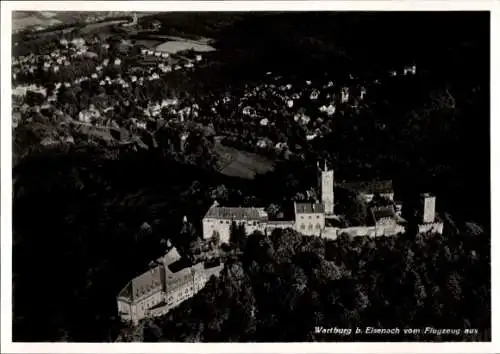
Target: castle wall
(436, 227)
(221, 226)
(140, 309)
(279, 225)
(332, 233)
(368, 197)
(125, 310)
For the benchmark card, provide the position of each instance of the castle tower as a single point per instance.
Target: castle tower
(429, 208)
(326, 187)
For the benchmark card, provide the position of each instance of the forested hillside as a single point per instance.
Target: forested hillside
(287, 284)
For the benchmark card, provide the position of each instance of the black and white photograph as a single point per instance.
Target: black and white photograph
(248, 176)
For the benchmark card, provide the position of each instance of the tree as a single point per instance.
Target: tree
(195, 247)
(216, 238)
(237, 235)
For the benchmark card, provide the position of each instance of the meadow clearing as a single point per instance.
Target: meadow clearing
(237, 163)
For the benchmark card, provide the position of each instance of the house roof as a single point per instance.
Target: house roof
(216, 212)
(309, 208)
(147, 283)
(379, 213)
(171, 256)
(150, 281)
(188, 273)
(280, 222)
(368, 187)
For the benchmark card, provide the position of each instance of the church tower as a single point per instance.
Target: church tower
(326, 188)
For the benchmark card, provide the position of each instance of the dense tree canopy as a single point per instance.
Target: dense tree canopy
(286, 284)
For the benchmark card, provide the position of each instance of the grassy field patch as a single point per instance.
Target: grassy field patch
(237, 163)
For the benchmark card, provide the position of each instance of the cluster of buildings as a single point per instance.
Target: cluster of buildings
(167, 283)
(312, 105)
(319, 219)
(71, 54)
(163, 287)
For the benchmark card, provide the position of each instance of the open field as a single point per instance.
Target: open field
(173, 47)
(237, 163)
(101, 25)
(22, 21)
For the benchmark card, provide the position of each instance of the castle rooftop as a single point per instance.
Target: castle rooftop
(236, 213)
(309, 208)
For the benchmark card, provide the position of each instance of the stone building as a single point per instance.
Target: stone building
(309, 218)
(162, 288)
(219, 219)
(384, 215)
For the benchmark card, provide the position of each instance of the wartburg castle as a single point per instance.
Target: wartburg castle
(319, 219)
(164, 287)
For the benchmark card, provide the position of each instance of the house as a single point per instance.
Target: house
(78, 42)
(362, 93)
(249, 111)
(329, 110)
(87, 115)
(309, 218)
(344, 95)
(314, 95)
(169, 102)
(310, 137)
(262, 143)
(156, 25)
(302, 118)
